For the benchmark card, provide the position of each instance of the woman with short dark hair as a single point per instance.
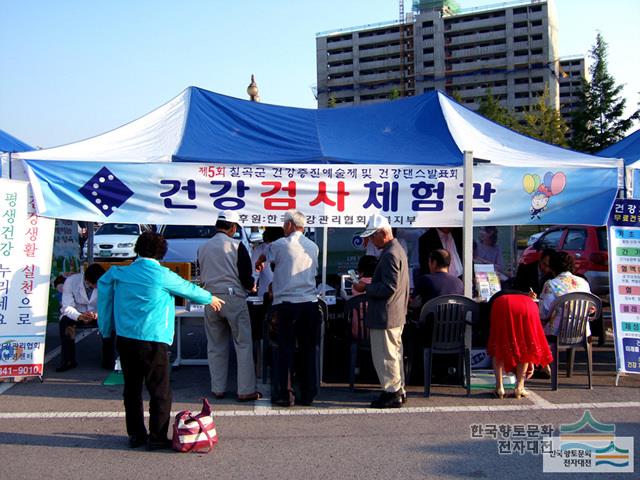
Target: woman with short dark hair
(565, 281)
(137, 301)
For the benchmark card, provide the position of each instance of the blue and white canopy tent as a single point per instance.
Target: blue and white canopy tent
(202, 152)
(430, 131)
(628, 149)
(10, 144)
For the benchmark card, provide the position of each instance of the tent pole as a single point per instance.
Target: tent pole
(467, 218)
(89, 243)
(325, 240)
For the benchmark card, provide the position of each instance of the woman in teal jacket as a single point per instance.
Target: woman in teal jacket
(137, 301)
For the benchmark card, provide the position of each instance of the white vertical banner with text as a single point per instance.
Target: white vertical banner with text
(26, 242)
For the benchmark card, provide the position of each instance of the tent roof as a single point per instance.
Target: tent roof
(203, 126)
(9, 143)
(627, 148)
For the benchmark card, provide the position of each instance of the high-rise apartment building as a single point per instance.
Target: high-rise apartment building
(509, 48)
(572, 71)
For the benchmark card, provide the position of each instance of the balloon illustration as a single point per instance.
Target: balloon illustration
(530, 182)
(558, 183)
(536, 182)
(527, 183)
(542, 191)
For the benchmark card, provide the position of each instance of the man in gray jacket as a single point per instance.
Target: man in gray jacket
(227, 272)
(388, 298)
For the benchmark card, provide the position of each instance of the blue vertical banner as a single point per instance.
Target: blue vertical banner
(624, 267)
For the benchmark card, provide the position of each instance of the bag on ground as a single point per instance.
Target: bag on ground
(195, 433)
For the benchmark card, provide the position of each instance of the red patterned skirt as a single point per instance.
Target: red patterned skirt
(516, 335)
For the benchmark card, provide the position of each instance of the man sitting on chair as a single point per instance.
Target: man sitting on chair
(439, 281)
(78, 310)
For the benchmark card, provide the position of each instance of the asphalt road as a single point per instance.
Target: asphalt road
(71, 426)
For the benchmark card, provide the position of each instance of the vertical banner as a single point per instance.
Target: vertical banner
(25, 265)
(624, 265)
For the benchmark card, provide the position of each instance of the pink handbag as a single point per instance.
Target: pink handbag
(195, 433)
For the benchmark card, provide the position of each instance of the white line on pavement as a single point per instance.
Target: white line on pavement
(268, 411)
(538, 400)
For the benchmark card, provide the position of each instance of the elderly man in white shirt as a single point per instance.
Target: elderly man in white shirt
(295, 263)
(78, 309)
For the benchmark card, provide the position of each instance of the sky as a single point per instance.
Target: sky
(73, 69)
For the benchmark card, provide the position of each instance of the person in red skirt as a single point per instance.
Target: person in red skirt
(516, 339)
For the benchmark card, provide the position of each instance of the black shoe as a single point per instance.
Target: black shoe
(66, 366)
(164, 444)
(136, 441)
(388, 400)
(283, 402)
(304, 403)
(541, 373)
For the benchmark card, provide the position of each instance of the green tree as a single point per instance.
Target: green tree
(598, 120)
(544, 122)
(332, 102)
(455, 94)
(394, 94)
(490, 107)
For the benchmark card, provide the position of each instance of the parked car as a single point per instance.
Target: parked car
(115, 241)
(183, 241)
(534, 238)
(587, 245)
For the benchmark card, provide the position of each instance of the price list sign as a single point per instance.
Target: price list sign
(25, 265)
(624, 265)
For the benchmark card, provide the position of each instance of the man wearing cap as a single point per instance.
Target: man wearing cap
(295, 264)
(388, 298)
(226, 271)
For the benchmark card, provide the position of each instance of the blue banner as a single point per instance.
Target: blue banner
(330, 195)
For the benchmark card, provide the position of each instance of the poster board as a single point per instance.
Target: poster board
(26, 242)
(624, 267)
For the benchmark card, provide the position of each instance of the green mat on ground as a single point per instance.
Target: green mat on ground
(114, 378)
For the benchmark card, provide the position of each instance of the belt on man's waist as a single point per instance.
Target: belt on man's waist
(230, 291)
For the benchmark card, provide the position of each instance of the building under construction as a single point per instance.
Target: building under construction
(508, 48)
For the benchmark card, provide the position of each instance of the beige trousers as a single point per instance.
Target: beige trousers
(232, 320)
(387, 355)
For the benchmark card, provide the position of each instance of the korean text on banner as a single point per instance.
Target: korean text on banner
(336, 195)
(624, 264)
(25, 264)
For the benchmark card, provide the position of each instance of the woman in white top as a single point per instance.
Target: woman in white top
(562, 266)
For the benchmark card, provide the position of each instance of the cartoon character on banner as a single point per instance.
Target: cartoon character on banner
(542, 191)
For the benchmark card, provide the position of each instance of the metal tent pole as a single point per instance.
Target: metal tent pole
(467, 217)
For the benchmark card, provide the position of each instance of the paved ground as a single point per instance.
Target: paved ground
(72, 426)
